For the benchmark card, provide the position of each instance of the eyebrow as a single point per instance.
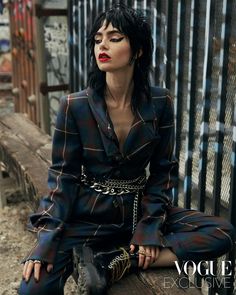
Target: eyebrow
(109, 33)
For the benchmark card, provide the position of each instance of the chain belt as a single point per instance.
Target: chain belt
(118, 187)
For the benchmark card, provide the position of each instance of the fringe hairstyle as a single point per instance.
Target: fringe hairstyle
(131, 23)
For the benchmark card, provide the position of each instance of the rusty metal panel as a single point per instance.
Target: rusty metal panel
(23, 53)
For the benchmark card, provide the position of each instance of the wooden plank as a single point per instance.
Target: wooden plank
(130, 285)
(27, 131)
(165, 281)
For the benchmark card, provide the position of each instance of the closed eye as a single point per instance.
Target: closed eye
(117, 40)
(98, 41)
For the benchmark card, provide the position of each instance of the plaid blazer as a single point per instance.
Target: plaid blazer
(84, 135)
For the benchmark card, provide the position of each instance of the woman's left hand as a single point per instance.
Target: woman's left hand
(147, 255)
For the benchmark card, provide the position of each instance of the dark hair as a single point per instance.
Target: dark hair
(132, 24)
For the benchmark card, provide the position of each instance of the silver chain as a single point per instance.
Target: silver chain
(135, 212)
(118, 187)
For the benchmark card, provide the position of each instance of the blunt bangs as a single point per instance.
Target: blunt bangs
(134, 26)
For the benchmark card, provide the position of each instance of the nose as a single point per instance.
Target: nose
(103, 44)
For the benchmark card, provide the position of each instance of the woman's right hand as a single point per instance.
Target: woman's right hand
(34, 266)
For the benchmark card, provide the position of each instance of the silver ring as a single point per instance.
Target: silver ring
(30, 260)
(37, 261)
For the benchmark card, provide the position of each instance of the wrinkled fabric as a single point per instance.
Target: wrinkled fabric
(84, 136)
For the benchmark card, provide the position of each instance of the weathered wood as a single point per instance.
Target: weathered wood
(26, 152)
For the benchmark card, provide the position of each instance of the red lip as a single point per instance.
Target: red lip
(103, 55)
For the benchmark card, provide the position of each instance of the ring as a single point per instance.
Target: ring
(30, 260)
(37, 261)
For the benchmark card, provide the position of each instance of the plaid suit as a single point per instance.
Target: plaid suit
(74, 214)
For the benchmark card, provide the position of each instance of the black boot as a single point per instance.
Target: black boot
(98, 270)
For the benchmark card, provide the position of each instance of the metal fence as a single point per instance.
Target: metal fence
(195, 57)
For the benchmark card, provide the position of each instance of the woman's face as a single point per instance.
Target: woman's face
(112, 49)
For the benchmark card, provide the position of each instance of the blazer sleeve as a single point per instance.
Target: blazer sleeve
(63, 183)
(158, 190)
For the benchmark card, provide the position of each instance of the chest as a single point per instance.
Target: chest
(122, 120)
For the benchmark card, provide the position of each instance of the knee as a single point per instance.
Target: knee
(228, 231)
(33, 287)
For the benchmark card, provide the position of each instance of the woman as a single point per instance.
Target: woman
(100, 199)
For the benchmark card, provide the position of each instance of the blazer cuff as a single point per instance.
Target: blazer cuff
(148, 232)
(45, 249)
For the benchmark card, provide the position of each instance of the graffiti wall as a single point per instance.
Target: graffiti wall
(5, 56)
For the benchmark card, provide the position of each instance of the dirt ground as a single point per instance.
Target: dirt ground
(15, 242)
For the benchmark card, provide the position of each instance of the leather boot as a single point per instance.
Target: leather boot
(98, 270)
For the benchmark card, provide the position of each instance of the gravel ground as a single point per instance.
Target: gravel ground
(15, 242)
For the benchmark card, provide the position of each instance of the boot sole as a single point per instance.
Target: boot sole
(88, 281)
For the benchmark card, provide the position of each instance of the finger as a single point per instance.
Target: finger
(148, 258)
(132, 247)
(153, 253)
(141, 257)
(49, 267)
(24, 269)
(37, 268)
(30, 266)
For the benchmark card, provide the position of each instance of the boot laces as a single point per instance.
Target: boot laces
(119, 265)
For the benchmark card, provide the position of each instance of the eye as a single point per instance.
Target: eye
(97, 41)
(117, 39)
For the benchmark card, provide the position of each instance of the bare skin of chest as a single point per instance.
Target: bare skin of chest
(122, 120)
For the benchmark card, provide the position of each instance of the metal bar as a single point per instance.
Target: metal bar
(79, 46)
(191, 102)
(40, 11)
(179, 81)
(70, 41)
(157, 35)
(82, 45)
(44, 88)
(222, 98)
(207, 85)
(169, 43)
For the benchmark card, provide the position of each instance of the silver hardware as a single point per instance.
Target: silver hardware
(118, 187)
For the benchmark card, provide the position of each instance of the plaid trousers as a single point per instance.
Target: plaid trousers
(190, 234)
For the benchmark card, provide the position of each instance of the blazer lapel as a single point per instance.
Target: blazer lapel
(142, 131)
(98, 107)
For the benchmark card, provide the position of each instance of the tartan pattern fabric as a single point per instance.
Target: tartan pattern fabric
(84, 136)
(190, 234)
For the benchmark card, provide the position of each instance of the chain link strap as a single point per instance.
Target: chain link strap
(118, 187)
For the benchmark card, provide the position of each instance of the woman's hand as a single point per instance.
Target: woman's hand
(147, 255)
(34, 266)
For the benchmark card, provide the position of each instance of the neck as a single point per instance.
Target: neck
(119, 89)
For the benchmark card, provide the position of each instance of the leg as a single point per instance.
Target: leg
(53, 282)
(193, 235)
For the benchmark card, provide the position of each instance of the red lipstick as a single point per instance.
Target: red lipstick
(103, 57)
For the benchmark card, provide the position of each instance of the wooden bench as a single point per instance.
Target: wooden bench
(25, 151)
